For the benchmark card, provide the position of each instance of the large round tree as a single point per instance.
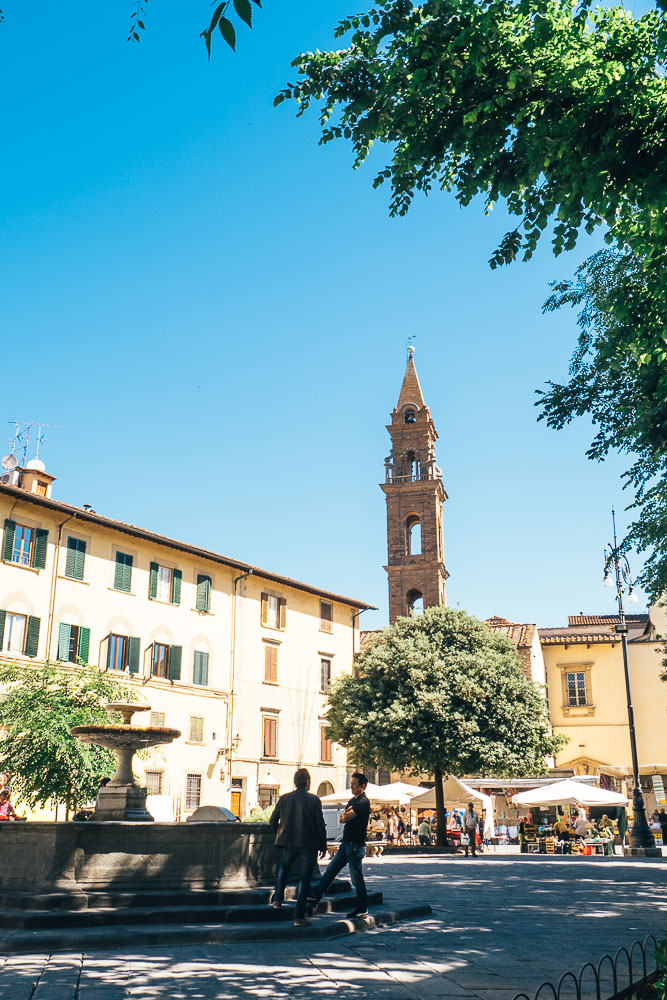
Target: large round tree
(439, 694)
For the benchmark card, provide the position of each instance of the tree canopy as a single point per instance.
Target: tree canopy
(40, 706)
(560, 110)
(441, 693)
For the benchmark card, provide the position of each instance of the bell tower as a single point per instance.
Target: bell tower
(415, 495)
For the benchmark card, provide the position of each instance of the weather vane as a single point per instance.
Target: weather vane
(410, 346)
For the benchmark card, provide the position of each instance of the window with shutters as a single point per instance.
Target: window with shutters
(157, 720)
(270, 663)
(203, 599)
(269, 736)
(325, 675)
(165, 584)
(200, 668)
(122, 579)
(196, 729)
(192, 791)
(123, 652)
(24, 546)
(15, 633)
(19, 633)
(273, 611)
(73, 643)
(153, 782)
(326, 616)
(326, 746)
(166, 661)
(76, 558)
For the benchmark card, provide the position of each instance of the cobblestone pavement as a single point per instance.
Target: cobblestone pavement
(500, 924)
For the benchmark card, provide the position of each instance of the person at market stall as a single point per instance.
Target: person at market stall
(424, 834)
(606, 831)
(581, 824)
(662, 816)
(561, 828)
(622, 822)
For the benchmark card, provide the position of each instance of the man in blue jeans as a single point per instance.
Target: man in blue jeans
(299, 828)
(352, 850)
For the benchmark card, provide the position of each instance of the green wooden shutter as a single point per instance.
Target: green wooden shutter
(41, 542)
(133, 650)
(109, 652)
(76, 558)
(32, 636)
(152, 587)
(201, 668)
(3, 616)
(127, 576)
(175, 657)
(176, 587)
(203, 602)
(123, 572)
(8, 541)
(64, 636)
(84, 644)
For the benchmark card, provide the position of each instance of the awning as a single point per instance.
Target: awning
(569, 793)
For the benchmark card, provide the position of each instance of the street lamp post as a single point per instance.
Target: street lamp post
(641, 837)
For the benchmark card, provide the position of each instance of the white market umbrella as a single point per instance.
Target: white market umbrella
(398, 792)
(569, 793)
(342, 798)
(457, 796)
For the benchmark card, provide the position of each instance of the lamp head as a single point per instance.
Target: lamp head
(632, 597)
(607, 582)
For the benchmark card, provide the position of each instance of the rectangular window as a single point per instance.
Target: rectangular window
(118, 652)
(76, 558)
(165, 577)
(326, 746)
(24, 541)
(270, 664)
(273, 611)
(326, 616)
(157, 720)
(267, 796)
(196, 729)
(153, 781)
(122, 579)
(576, 688)
(15, 629)
(203, 600)
(160, 667)
(270, 736)
(200, 668)
(192, 791)
(325, 675)
(166, 661)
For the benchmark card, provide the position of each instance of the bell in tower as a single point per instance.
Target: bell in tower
(415, 495)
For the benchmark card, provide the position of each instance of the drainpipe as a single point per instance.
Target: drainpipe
(54, 578)
(232, 681)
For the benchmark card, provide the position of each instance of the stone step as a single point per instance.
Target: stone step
(133, 936)
(112, 916)
(150, 898)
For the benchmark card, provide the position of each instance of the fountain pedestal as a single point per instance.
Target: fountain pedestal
(122, 799)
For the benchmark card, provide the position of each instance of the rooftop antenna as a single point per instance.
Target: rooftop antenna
(21, 440)
(410, 347)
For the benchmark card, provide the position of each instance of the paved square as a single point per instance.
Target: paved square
(501, 923)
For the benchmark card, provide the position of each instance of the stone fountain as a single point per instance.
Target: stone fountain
(122, 799)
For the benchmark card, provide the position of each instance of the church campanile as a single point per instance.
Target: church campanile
(415, 495)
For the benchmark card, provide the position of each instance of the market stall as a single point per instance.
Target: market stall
(457, 796)
(571, 794)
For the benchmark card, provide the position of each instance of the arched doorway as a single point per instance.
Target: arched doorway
(325, 788)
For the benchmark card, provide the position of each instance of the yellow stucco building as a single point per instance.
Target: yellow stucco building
(238, 658)
(587, 698)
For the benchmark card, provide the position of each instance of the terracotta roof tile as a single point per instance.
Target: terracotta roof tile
(603, 619)
(519, 635)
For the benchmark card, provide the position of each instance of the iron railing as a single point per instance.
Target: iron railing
(624, 964)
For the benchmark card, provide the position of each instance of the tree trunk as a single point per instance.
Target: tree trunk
(440, 819)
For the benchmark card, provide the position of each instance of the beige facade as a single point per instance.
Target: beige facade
(236, 658)
(587, 697)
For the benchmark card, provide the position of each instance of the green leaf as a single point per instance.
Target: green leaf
(228, 32)
(244, 10)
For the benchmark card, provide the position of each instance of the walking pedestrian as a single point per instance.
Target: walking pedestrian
(352, 850)
(662, 817)
(299, 828)
(470, 824)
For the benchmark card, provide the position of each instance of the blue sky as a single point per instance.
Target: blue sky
(214, 311)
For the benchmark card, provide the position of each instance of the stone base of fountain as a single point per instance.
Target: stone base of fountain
(117, 803)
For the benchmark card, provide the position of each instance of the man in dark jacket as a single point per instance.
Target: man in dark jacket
(298, 824)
